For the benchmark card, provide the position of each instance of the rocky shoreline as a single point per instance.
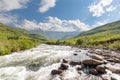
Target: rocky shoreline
(99, 66)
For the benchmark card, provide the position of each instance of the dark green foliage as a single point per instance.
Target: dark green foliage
(57, 42)
(79, 42)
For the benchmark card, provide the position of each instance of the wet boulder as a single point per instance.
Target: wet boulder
(114, 60)
(65, 61)
(92, 62)
(63, 66)
(105, 61)
(113, 69)
(73, 63)
(97, 57)
(54, 72)
(93, 71)
(112, 78)
(101, 69)
(34, 66)
(75, 54)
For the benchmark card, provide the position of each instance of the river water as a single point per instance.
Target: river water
(37, 63)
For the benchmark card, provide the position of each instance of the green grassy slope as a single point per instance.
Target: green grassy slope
(108, 27)
(14, 39)
(104, 36)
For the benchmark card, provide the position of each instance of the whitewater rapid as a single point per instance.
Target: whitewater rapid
(35, 63)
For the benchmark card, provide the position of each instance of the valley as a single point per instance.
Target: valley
(92, 55)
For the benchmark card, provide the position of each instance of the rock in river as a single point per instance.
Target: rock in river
(92, 62)
(97, 57)
(63, 66)
(101, 69)
(93, 71)
(113, 69)
(65, 61)
(75, 63)
(54, 72)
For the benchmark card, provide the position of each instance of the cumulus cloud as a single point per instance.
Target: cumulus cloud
(55, 24)
(7, 19)
(100, 7)
(8, 5)
(111, 8)
(100, 23)
(46, 5)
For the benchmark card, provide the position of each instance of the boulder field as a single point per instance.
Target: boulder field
(96, 65)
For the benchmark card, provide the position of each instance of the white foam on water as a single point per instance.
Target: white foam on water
(14, 66)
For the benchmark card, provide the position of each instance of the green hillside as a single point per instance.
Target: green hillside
(107, 36)
(14, 39)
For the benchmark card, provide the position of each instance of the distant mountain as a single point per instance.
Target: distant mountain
(15, 39)
(107, 35)
(55, 34)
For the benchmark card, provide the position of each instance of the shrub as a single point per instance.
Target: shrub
(115, 45)
(79, 42)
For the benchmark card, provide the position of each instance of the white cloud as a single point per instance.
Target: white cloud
(46, 5)
(7, 19)
(111, 8)
(100, 23)
(99, 8)
(8, 5)
(55, 24)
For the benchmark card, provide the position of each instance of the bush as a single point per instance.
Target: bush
(79, 42)
(58, 42)
(26, 44)
(115, 45)
(5, 50)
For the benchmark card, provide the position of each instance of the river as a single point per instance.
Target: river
(37, 63)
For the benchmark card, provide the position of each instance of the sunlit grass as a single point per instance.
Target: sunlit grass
(14, 39)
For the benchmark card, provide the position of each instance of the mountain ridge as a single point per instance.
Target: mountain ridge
(101, 28)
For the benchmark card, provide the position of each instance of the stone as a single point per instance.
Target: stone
(101, 69)
(105, 61)
(117, 60)
(54, 72)
(34, 66)
(75, 63)
(106, 77)
(115, 77)
(114, 60)
(113, 69)
(93, 71)
(75, 54)
(79, 68)
(63, 66)
(92, 62)
(64, 61)
(97, 57)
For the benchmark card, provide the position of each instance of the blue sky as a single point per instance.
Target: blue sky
(59, 15)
